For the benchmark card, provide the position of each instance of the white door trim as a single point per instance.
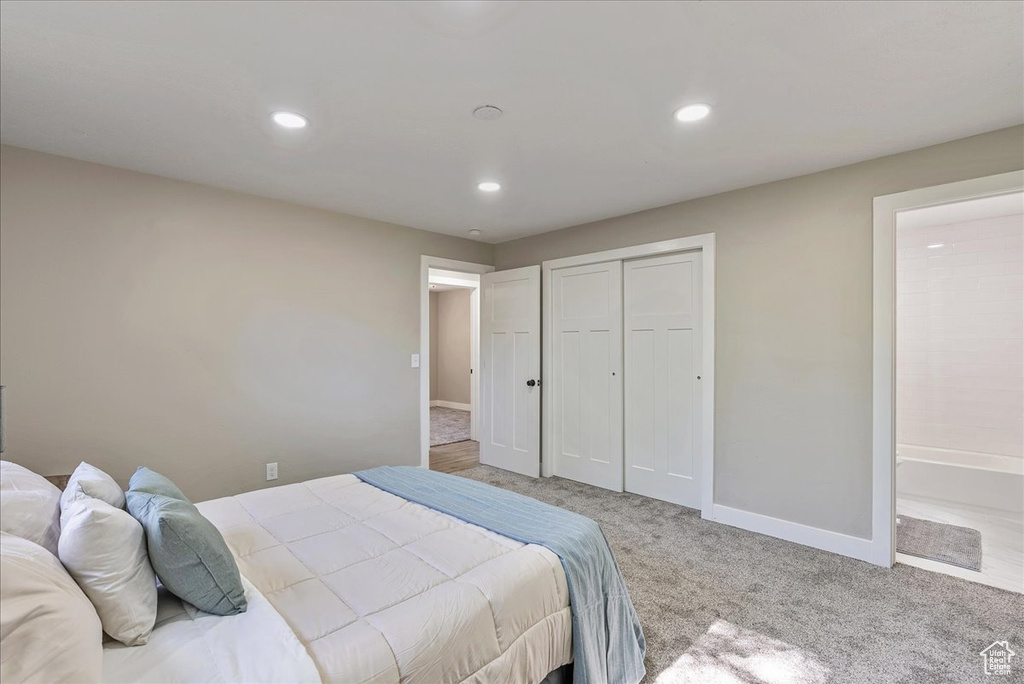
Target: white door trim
(683, 244)
(442, 276)
(427, 263)
(706, 244)
(883, 494)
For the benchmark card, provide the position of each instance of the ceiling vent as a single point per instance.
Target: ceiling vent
(487, 113)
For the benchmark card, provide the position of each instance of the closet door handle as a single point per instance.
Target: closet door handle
(531, 383)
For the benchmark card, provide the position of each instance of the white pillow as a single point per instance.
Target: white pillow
(49, 632)
(104, 549)
(29, 506)
(95, 483)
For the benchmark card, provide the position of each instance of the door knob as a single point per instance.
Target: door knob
(531, 383)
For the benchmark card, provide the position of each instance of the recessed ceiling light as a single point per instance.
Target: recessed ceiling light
(937, 245)
(475, 232)
(290, 120)
(694, 112)
(489, 186)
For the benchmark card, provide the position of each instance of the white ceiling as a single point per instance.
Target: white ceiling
(184, 89)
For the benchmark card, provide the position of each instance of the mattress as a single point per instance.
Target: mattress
(379, 589)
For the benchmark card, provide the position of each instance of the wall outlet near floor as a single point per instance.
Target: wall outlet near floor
(271, 471)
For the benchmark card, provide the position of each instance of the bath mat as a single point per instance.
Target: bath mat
(960, 546)
(448, 426)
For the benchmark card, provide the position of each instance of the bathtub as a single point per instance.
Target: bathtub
(965, 477)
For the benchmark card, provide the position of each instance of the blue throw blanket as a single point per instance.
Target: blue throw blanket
(608, 644)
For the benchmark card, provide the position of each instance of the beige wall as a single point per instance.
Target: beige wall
(453, 347)
(793, 346)
(433, 345)
(204, 333)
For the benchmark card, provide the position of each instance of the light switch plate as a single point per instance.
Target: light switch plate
(271, 471)
(415, 360)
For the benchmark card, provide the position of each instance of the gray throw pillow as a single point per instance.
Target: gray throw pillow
(187, 552)
(152, 482)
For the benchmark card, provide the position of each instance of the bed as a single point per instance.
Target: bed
(387, 575)
(348, 583)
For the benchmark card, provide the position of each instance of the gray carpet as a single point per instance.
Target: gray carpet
(719, 604)
(960, 546)
(448, 426)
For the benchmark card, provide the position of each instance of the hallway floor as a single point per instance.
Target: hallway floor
(451, 458)
(448, 425)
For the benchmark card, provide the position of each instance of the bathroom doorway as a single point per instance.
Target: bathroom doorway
(959, 389)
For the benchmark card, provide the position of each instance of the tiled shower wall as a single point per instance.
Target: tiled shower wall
(960, 336)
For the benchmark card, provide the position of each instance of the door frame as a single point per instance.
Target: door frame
(705, 243)
(883, 420)
(427, 263)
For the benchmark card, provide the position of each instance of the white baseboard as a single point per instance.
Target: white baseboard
(450, 404)
(815, 537)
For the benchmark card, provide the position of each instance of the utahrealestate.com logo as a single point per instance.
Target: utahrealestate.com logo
(997, 658)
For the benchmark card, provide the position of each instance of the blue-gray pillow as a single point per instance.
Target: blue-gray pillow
(152, 482)
(188, 553)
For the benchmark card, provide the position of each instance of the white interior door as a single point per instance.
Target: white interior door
(587, 364)
(662, 386)
(510, 370)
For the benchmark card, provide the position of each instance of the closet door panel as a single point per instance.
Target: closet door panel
(662, 354)
(587, 379)
(680, 397)
(640, 398)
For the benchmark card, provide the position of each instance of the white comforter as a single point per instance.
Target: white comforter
(189, 645)
(380, 589)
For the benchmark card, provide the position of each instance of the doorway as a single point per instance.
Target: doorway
(949, 429)
(449, 363)
(454, 310)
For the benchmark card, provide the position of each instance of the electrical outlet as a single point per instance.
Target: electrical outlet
(415, 360)
(271, 471)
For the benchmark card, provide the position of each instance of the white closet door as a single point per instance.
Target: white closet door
(662, 389)
(587, 392)
(510, 370)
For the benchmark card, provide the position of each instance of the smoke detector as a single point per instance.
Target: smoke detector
(487, 113)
